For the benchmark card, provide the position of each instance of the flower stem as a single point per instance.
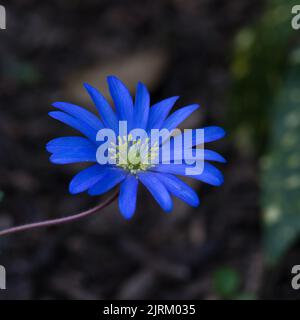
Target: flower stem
(54, 222)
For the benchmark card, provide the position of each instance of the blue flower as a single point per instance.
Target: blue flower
(160, 179)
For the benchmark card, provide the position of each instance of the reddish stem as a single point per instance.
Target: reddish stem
(53, 222)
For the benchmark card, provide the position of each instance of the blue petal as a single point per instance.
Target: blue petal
(68, 144)
(210, 134)
(205, 154)
(210, 174)
(85, 154)
(141, 108)
(86, 178)
(213, 133)
(80, 114)
(157, 189)
(159, 112)
(211, 155)
(178, 116)
(108, 181)
(107, 114)
(179, 189)
(128, 195)
(121, 97)
(75, 123)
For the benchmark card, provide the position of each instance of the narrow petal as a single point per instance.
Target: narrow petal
(179, 189)
(159, 112)
(211, 155)
(121, 97)
(128, 195)
(210, 174)
(213, 133)
(68, 144)
(87, 154)
(178, 116)
(75, 123)
(86, 178)
(208, 155)
(80, 114)
(108, 181)
(157, 189)
(141, 108)
(210, 134)
(108, 116)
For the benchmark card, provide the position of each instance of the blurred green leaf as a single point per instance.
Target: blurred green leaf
(265, 117)
(281, 168)
(258, 68)
(1, 195)
(226, 282)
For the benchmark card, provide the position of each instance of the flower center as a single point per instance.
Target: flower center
(133, 155)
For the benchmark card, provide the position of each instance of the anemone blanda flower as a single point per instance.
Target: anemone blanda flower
(160, 179)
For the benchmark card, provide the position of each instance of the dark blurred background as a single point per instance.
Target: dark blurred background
(241, 61)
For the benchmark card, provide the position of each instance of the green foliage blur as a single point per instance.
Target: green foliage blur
(281, 167)
(227, 284)
(265, 119)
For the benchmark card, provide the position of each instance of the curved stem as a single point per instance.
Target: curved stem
(53, 222)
